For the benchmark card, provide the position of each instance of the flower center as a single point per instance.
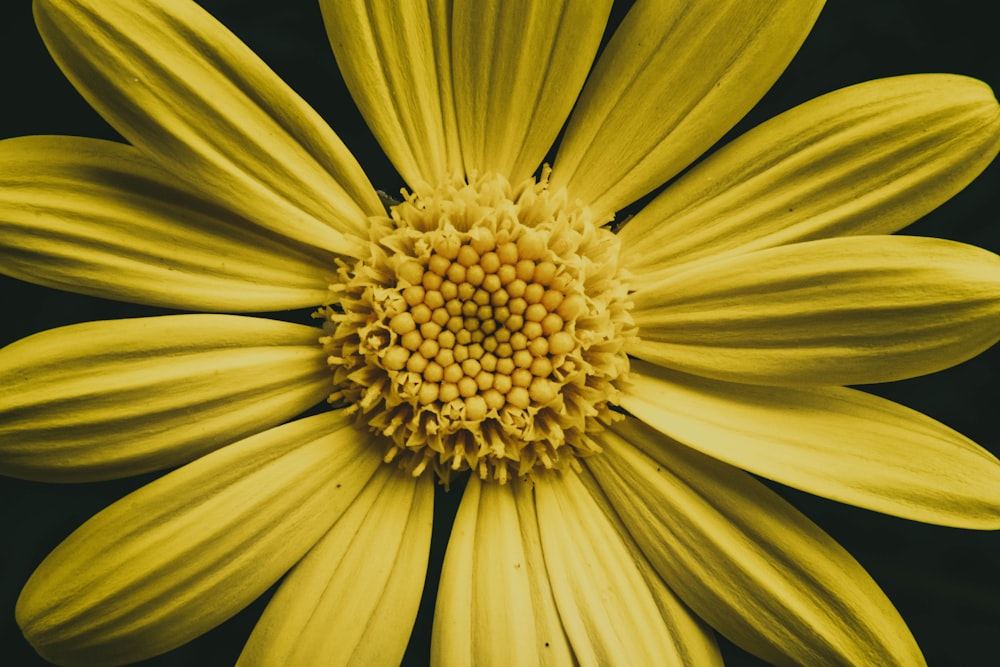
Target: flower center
(485, 331)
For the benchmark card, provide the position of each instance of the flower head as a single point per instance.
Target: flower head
(485, 331)
(595, 386)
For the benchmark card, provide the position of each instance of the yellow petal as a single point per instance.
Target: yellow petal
(99, 218)
(182, 554)
(674, 78)
(744, 560)
(694, 641)
(353, 598)
(394, 56)
(110, 399)
(519, 66)
(852, 310)
(178, 85)
(835, 442)
(494, 585)
(606, 606)
(869, 159)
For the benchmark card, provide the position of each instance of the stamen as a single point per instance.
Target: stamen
(466, 336)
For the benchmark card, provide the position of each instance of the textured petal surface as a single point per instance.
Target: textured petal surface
(607, 608)
(116, 398)
(395, 58)
(494, 585)
(519, 66)
(100, 218)
(694, 641)
(869, 159)
(177, 84)
(835, 442)
(182, 554)
(841, 311)
(675, 77)
(746, 561)
(353, 598)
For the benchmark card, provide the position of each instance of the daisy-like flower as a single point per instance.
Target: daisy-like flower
(597, 387)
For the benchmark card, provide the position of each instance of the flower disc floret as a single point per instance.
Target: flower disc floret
(484, 331)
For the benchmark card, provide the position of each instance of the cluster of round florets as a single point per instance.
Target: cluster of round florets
(485, 324)
(486, 330)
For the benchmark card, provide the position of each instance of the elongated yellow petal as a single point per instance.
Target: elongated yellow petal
(111, 399)
(675, 77)
(869, 159)
(352, 599)
(100, 218)
(519, 66)
(395, 59)
(604, 601)
(694, 642)
(746, 561)
(182, 554)
(494, 585)
(835, 442)
(851, 310)
(177, 84)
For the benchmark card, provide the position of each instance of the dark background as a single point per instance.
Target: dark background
(944, 581)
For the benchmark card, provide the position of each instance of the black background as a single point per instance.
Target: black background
(944, 581)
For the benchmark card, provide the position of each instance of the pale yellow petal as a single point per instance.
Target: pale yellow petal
(494, 585)
(694, 641)
(607, 608)
(746, 561)
(178, 85)
(869, 159)
(110, 399)
(100, 218)
(519, 66)
(394, 57)
(851, 310)
(353, 598)
(835, 442)
(675, 77)
(182, 554)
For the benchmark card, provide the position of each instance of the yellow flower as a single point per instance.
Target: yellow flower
(602, 384)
